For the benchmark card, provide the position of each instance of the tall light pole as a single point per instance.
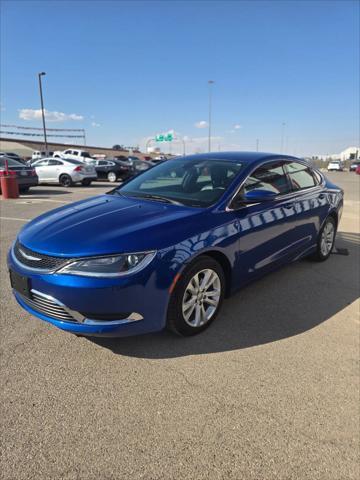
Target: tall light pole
(257, 144)
(42, 111)
(210, 83)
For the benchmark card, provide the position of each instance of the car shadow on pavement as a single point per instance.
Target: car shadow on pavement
(289, 302)
(41, 192)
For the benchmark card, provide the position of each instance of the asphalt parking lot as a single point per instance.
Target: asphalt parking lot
(270, 391)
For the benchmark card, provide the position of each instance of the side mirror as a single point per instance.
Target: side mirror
(258, 196)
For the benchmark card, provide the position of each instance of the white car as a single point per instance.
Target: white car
(335, 166)
(66, 172)
(74, 154)
(37, 154)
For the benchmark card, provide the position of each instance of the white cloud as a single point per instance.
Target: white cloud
(94, 124)
(31, 114)
(201, 124)
(237, 126)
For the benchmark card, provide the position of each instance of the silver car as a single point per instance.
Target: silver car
(66, 172)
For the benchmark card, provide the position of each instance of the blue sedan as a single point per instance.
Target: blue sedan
(166, 247)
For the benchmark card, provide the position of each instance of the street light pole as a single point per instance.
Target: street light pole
(42, 111)
(257, 144)
(210, 82)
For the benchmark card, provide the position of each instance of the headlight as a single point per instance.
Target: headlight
(110, 266)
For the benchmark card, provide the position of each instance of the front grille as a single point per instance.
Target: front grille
(39, 260)
(48, 307)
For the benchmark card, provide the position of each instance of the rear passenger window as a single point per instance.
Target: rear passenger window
(300, 176)
(270, 176)
(55, 162)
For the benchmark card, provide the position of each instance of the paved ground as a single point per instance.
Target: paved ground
(270, 391)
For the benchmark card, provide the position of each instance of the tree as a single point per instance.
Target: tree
(118, 147)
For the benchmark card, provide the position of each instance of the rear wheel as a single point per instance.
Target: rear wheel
(86, 182)
(326, 240)
(24, 189)
(197, 297)
(65, 180)
(112, 177)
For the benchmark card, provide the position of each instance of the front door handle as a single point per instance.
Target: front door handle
(288, 206)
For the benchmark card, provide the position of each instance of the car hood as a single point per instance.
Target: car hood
(107, 224)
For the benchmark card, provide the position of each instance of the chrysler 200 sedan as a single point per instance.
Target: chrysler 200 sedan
(166, 247)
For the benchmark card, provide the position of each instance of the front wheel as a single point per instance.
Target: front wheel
(326, 240)
(197, 297)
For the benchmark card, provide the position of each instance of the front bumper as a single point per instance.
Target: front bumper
(124, 306)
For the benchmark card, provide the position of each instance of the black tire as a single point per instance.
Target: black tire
(175, 318)
(112, 177)
(65, 180)
(86, 182)
(24, 189)
(320, 255)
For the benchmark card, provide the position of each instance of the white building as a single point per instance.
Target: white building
(350, 152)
(347, 154)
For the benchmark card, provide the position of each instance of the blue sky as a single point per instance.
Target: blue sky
(129, 70)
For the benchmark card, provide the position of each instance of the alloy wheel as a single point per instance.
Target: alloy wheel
(111, 177)
(201, 298)
(327, 239)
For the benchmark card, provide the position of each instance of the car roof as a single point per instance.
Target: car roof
(244, 157)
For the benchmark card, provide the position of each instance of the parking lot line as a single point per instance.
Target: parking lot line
(42, 200)
(16, 219)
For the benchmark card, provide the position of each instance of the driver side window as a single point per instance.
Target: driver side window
(270, 176)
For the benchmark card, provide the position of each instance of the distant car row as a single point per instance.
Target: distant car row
(338, 166)
(67, 171)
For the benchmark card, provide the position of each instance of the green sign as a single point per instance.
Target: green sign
(164, 138)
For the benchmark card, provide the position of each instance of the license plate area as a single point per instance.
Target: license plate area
(20, 283)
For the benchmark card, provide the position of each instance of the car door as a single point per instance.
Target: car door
(310, 203)
(265, 229)
(41, 170)
(53, 170)
(101, 168)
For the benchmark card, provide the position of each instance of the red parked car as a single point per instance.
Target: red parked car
(357, 170)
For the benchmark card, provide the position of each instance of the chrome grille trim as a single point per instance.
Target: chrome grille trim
(53, 308)
(56, 311)
(37, 261)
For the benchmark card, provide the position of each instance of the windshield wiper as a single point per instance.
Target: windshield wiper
(160, 198)
(150, 196)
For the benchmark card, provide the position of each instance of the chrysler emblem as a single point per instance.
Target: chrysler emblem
(29, 257)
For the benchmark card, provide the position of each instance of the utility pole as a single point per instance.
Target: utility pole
(43, 111)
(210, 83)
(257, 144)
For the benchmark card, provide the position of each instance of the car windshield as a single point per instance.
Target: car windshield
(195, 183)
(11, 162)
